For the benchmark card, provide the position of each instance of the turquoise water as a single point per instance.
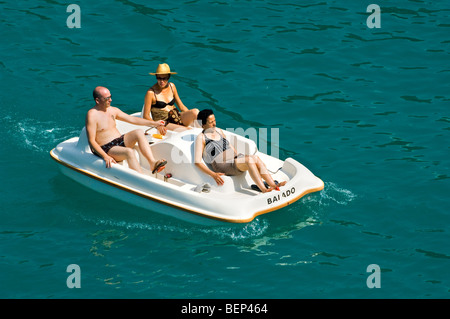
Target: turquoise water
(367, 110)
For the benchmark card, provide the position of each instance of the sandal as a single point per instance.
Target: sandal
(160, 165)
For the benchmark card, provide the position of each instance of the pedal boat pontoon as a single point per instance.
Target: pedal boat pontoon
(179, 195)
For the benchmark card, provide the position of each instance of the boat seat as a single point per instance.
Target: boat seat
(83, 144)
(142, 112)
(136, 153)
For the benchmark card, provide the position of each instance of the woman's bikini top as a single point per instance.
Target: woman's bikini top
(162, 104)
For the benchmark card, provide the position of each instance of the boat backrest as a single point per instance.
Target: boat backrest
(83, 143)
(179, 153)
(241, 144)
(142, 112)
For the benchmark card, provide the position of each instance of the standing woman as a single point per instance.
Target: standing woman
(160, 100)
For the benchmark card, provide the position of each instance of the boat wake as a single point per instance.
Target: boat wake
(330, 195)
(253, 229)
(34, 135)
(310, 211)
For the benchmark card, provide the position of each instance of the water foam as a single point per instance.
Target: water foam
(238, 232)
(331, 194)
(35, 135)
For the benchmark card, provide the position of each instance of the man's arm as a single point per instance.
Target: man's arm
(140, 121)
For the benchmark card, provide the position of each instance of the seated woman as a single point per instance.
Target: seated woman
(215, 149)
(160, 100)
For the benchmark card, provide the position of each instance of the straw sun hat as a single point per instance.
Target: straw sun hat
(163, 69)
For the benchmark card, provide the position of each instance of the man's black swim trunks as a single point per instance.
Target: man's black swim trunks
(115, 142)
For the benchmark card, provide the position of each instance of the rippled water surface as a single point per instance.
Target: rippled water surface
(367, 110)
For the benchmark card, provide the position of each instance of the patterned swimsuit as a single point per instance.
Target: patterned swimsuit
(115, 142)
(214, 148)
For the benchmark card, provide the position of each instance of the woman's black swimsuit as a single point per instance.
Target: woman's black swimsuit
(115, 142)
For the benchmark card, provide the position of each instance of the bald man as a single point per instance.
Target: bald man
(106, 141)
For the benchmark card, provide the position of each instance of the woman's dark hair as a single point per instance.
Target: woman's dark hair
(203, 115)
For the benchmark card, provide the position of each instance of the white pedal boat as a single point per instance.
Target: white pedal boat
(233, 202)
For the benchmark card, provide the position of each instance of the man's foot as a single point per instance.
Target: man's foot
(159, 166)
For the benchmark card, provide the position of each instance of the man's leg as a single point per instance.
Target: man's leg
(138, 136)
(120, 153)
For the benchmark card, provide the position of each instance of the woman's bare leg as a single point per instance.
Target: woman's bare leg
(189, 117)
(254, 168)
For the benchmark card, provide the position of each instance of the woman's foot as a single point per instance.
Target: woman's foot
(276, 185)
(263, 190)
